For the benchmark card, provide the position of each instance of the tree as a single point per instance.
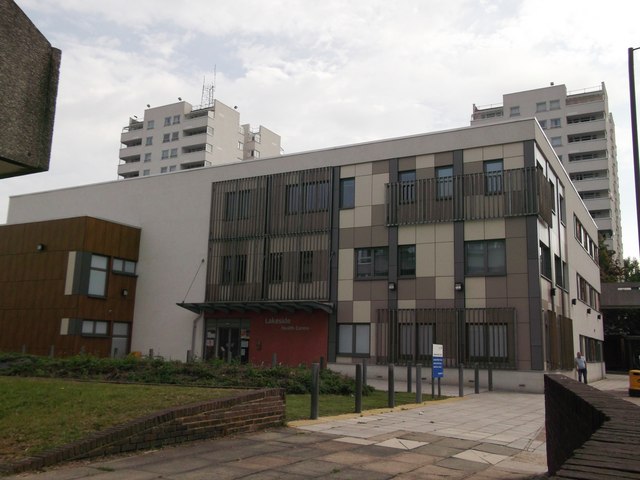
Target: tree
(610, 268)
(631, 269)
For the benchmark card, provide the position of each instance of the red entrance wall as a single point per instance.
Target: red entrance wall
(294, 337)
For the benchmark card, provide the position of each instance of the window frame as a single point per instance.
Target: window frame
(486, 270)
(128, 267)
(347, 193)
(373, 254)
(94, 324)
(493, 179)
(403, 251)
(357, 332)
(444, 183)
(305, 266)
(94, 272)
(407, 186)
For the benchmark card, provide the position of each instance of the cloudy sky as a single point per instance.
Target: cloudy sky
(324, 73)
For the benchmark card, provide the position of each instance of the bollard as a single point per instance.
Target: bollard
(189, 356)
(151, 353)
(364, 372)
(391, 385)
(274, 359)
(409, 380)
(476, 378)
(322, 364)
(358, 388)
(419, 383)
(315, 390)
(490, 376)
(461, 380)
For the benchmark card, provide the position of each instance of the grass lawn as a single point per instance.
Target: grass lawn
(39, 414)
(299, 406)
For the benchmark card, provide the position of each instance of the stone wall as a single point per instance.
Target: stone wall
(590, 433)
(246, 412)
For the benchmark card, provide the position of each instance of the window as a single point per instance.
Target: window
(146, 173)
(234, 269)
(407, 181)
(353, 339)
(174, 153)
(372, 262)
(583, 289)
(493, 177)
(487, 340)
(165, 154)
(98, 276)
(554, 104)
(256, 138)
(563, 208)
(120, 265)
(552, 187)
(310, 197)
(163, 170)
(347, 192)
(255, 153)
(543, 123)
(444, 182)
(150, 124)
(167, 121)
(541, 107)
(175, 136)
(485, 257)
(406, 260)
(237, 205)
(275, 267)
(514, 111)
(209, 130)
(556, 141)
(240, 146)
(172, 168)
(545, 261)
(147, 157)
(149, 141)
(560, 273)
(555, 123)
(176, 119)
(306, 267)
(94, 327)
(166, 137)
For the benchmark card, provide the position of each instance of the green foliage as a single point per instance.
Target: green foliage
(631, 269)
(610, 268)
(159, 371)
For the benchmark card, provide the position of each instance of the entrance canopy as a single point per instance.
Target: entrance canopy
(272, 307)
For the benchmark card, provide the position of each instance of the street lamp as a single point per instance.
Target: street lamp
(634, 135)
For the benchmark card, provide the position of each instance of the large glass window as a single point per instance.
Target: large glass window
(407, 181)
(372, 262)
(444, 176)
(306, 267)
(310, 197)
(485, 257)
(120, 265)
(95, 327)
(234, 269)
(353, 339)
(98, 276)
(347, 192)
(545, 261)
(237, 205)
(493, 177)
(406, 260)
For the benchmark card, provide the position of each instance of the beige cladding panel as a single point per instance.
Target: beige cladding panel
(425, 233)
(362, 312)
(513, 150)
(494, 228)
(407, 235)
(345, 264)
(444, 258)
(425, 259)
(362, 216)
(513, 163)
(474, 230)
(378, 192)
(406, 304)
(492, 152)
(363, 191)
(444, 232)
(472, 155)
(363, 169)
(347, 218)
(425, 161)
(345, 290)
(475, 288)
(444, 288)
(348, 171)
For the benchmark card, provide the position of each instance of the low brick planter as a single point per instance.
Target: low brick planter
(246, 412)
(590, 433)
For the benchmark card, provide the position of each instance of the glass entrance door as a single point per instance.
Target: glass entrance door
(227, 340)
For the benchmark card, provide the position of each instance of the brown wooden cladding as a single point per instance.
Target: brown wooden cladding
(269, 237)
(32, 283)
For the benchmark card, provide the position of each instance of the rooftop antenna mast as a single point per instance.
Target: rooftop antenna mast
(208, 91)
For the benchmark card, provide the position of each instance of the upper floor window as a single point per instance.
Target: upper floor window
(306, 267)
(234, 269)
(541, 107)
(147, 157)
(256, 137)
(554, 104)
(372, 262)
(493, 176)
(407, 181)
(275, 267)
(166, 137)
(167, 121)
(485, 257)
(309, 197)
(149, 141)
(556, 141)
(543, 123)
(98, 276)
(240, 146)
(174, 153)
(151, 124)
(555, 123)
(255, 153)
(514, 111)
(175, 136)
(176, 119)
(406, 260)
(545, 261)
(444, 181)
(347, 192)
(237, 205)
(119, 265)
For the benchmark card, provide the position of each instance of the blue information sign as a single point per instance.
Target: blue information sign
(437, 370)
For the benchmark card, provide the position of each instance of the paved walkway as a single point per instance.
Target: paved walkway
(493, 435)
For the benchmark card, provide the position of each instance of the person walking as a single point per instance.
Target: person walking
(581, 367)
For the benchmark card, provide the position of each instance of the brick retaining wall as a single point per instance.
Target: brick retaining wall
(590, 433)
(245, 412)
